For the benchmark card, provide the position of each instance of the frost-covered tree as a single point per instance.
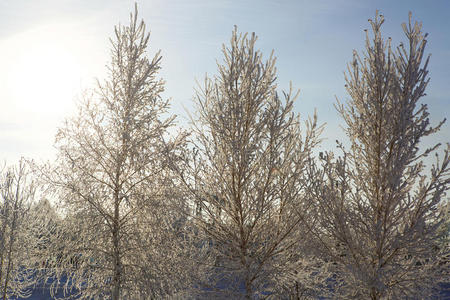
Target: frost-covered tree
(45, 227)
(121, 235)
(379, 204)
(16, 266)
(247, 176)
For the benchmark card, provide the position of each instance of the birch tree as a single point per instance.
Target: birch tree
(121, 235)
(16, 265)
(379, 204)
(247, 175)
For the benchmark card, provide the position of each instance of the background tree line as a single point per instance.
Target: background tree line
(240, 204)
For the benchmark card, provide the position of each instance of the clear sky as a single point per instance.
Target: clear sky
(51, 50)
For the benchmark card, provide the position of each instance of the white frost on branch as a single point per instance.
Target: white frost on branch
(378, 206)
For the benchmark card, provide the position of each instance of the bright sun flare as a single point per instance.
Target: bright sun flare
(44, 77)
(45, 71)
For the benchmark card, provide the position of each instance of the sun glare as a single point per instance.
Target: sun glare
(46, 77)
(46, 71)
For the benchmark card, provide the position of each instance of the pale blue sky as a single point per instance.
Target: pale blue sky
(50, 50)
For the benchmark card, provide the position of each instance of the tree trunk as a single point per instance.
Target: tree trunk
(248, 292)
(374, 294)
(10, 250)
(3, 235)
(117, 263)
(2, 248)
